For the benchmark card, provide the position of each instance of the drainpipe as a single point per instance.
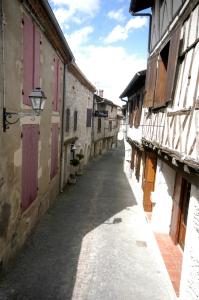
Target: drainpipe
(150, 22)
(61, 184)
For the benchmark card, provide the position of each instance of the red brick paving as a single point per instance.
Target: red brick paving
(172, 256)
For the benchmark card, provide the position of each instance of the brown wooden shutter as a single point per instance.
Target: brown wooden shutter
(54, 150)
(174, 227)
(150, 81)
(159, 98)
(172, 63)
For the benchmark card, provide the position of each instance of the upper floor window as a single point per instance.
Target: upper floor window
(67, 128)
(161, 70)
(75, 120)
(110, 125)
(88, 117)
(99, 125)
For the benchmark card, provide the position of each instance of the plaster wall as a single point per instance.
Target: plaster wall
(162, 197)
(189, 288)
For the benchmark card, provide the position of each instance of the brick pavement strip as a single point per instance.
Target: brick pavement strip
(93, 244)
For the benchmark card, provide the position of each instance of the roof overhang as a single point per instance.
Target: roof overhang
(136, 83)
(138, 5)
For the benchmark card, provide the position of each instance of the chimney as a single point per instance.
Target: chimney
(101, 93)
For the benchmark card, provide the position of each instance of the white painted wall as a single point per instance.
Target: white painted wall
(189, 288)
(162, 197)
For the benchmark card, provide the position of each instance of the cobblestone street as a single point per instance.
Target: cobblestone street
(93, 244)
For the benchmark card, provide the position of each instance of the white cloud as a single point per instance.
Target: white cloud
(122, 32)
(79, 37)
(107, 67)
(117, 15)
(70, 8)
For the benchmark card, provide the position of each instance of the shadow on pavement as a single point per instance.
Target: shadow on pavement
(47, 266)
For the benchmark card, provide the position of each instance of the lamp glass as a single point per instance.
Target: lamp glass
(37, 98)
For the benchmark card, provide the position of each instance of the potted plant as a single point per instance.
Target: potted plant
(80, 169)
(74, 165)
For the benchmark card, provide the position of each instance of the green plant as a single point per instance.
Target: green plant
(74, 162)
(80, 156)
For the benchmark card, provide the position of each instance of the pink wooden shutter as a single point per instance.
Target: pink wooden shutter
(30, 138)
(54, 150)
(55, 86)
(59, 70)
(36, 57)
(27, 59)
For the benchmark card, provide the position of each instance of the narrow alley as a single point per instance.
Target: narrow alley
(93, 244)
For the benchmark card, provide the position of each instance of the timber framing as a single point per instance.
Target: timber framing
(185, 164)
(41, 10)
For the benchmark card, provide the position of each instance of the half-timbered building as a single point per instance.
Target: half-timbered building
(169, 131)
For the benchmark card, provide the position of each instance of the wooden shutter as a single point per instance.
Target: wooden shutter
(150, 81)
(28, 60)
(138, 163)
(30, 138)
(59, 71)
(54, 150)
(37, 39)
(159, 99)
(55, 83)
(172, 63)
(174, 227)
(133, 157)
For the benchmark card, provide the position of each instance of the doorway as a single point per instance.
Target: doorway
(149, 179)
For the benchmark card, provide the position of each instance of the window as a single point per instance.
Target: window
(75, 120)
(161, 71)
(110, 125)
(67, 128)
(99, 125)
(89, 117)
(31, 58)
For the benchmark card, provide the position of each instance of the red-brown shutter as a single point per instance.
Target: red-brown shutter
(54, 150)
(37, 39)
(30, 139)
(172, 63)
(54, 103)
(159, 98)
(28, 61)
(59, 71)
(150, 81)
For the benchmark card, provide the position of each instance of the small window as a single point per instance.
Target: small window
(89, 117)
(67, 128)
(110, 125)
(99, 124)
(75, 120)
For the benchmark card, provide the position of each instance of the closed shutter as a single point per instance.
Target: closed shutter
(37, 39)
(28, 60)
(172, 63)
(59, 71)
(54, 150)
(30, 138)
(150, 81)
(159, 99)
(55, 84)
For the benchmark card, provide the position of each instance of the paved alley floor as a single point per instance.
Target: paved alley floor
(93, 244)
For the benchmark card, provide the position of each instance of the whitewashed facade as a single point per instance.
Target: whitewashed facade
(169, 131)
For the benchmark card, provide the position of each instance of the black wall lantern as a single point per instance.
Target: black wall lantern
(37, 99)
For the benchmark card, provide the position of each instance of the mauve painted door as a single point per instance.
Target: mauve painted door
(30, 139)
(54, 150)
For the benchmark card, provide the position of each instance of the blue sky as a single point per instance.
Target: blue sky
(109, 45)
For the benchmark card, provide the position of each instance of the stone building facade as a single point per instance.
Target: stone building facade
(77, 121)
(106, 124)
(33, 54)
